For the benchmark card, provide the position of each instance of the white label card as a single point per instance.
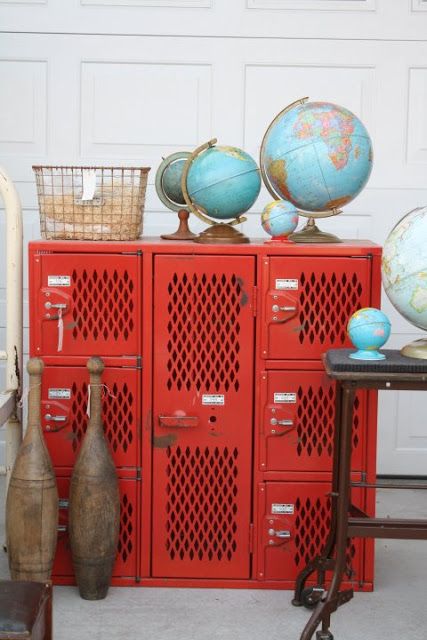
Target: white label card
(282, 508)
(59, 281)
(59, 394)
(286, 398)
(89, 184)
(213, 399)
(287, 284)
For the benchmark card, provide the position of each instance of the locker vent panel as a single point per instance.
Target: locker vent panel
(315, 421)
(202, 499)
(103, 305)
(203, 329)
(118, 415)
(326, 303)
(312, 524)
(125, 545)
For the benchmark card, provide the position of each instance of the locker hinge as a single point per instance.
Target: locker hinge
(139, 362)
(363, 476)
(254, 301)
(138, 473)
(251, 538)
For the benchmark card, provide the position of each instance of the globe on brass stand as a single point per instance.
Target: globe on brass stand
(168, 187)
(318, 156)
(220, 182)
(404, 274)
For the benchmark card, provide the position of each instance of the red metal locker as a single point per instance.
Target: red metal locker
(202, 412)
(308, 302)
(127, 549)
(294, 522)
(298, 422)
(64, 416)
(98, 299)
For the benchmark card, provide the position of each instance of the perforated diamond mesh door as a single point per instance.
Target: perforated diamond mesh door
(65, 395)
(305, 400)
(324, 293)
(101, 312)
(125, 565)
(307, 519)
(203, 388)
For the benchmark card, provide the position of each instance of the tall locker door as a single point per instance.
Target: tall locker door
(202, 414)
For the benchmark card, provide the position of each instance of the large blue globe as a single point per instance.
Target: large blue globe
(224, 182)
(317, 155)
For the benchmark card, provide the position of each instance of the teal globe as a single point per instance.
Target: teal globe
(223, 182)
(279, 219)
(368, 329)
(171, 181)
(317, 155)
(404, 267)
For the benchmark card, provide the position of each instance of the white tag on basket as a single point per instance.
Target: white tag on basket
(89, 184)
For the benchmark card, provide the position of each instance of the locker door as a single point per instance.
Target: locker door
(202, 411)
(97, 297)
(298, 422)
(308, 302)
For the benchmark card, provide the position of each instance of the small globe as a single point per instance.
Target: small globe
(317, 155)
(223, 182)
(168, 180)
(368, 329)
(171, 181)
(279, 219)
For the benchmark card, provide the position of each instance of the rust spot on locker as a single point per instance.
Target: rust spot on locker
(70, 325)
(163, 442)
(244, 299)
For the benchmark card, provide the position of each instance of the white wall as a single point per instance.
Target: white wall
(130, 81)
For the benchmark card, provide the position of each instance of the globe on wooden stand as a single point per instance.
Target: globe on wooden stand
(168, 187)
(220, 182)
(318, 156)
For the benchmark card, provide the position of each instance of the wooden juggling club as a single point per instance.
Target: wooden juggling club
(94, 509)
(32, 497)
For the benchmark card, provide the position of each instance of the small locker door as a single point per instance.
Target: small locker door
(294, 519)
(202, 413)
(308, 302)
(64, 415)
(298, 422)
(85, 304)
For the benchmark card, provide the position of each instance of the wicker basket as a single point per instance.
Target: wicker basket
(91, 203)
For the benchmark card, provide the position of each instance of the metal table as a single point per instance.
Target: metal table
(347, 521)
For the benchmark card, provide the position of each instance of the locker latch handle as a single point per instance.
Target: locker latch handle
(180, 422)
(58, 305)
(281, 423)
(283, 534)
(275, 308)
(49, 416)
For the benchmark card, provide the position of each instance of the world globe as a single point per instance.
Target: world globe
(221, 183)
(368, 329)
(316, 155)
(404, 273)
(224, 182)
(279, 219)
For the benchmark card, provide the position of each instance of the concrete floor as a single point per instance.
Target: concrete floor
(396, 610)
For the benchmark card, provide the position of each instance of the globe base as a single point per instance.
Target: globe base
(221, 233)
(416, 349)
(183, 232)
(312, 234)
(278, 240)
(364, 354)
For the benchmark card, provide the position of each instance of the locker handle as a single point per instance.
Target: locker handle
(49, 416)
(284, 534)
(275, 308)
(181, 422)
(281, 423)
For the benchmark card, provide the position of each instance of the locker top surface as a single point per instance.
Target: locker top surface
(257, 246)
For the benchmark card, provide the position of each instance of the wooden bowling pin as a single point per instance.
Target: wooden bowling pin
(32, 497)
(94, 509)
